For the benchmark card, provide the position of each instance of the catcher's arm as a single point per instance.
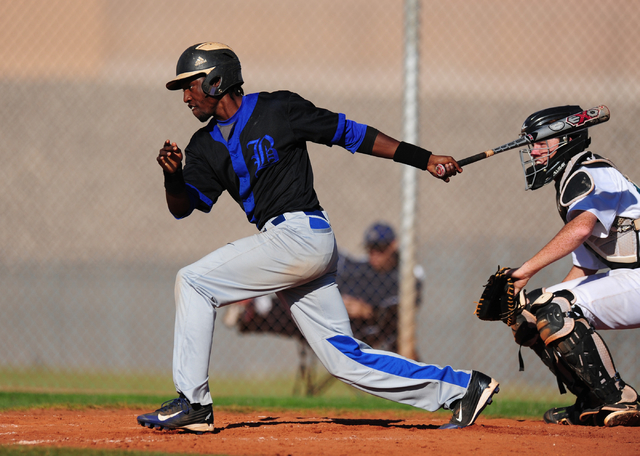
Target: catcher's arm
(577, 272)
(568, 239)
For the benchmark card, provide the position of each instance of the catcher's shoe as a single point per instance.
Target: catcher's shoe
(478, 396)
(180, 414)
(570, 415)
(561, 415)
(623, 418)
(625, 412)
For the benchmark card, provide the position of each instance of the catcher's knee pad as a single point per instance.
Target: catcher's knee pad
(554, 315)
(525, 331)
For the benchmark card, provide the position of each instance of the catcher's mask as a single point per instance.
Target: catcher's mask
(542, 169)
(218, 64)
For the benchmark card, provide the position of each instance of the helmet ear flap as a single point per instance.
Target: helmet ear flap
(211, 83)
(221, 78)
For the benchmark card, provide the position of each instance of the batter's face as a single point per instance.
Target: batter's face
(542, 151)
(201, 105)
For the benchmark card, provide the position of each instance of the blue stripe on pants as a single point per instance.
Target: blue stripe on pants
(398, 366)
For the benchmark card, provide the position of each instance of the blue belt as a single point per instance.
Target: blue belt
(280, 218)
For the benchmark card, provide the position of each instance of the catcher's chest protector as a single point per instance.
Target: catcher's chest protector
(621, 248)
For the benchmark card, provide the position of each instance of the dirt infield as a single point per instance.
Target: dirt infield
(353, 433)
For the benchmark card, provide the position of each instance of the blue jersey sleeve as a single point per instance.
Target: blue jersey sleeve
(352, 135)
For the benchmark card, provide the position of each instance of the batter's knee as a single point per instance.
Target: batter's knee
(181, 277)
(187, 282)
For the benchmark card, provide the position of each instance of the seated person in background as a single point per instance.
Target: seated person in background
(369, 288)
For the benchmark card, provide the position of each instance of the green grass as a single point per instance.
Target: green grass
(501, 407)
(28, 388)
(47, 380)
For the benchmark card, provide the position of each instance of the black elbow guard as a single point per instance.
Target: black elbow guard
(366, 146)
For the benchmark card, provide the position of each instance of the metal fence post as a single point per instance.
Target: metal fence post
(408, 295)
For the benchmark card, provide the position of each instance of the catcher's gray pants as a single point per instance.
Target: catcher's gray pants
(295, 256)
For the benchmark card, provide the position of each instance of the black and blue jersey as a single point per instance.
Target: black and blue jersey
(260, 155)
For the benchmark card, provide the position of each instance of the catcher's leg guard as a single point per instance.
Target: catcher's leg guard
(559, 368)
(525, 333)
(566, 377)
(563, 328)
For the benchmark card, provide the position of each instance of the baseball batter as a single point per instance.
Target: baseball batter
(254, 147)
(601, 211)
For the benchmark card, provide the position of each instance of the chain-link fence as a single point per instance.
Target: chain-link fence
(89, 251)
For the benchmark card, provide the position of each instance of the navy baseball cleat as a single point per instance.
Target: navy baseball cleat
(180, 414)
(478, 396)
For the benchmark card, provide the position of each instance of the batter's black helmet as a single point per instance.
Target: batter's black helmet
(215, 61)
(539, 174)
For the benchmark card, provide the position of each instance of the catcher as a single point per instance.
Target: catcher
(601, 211)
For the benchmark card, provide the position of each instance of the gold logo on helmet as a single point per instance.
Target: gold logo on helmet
(211, 46)
(200, 61)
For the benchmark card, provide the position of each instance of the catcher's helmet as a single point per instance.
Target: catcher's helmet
(537, 174)
(215, 61)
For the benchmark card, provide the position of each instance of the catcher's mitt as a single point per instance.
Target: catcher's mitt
(498, 301)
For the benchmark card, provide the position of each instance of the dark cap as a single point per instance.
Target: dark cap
(379, 234)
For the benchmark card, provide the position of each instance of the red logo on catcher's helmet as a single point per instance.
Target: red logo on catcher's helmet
(582, 117)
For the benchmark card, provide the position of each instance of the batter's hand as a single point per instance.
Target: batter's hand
(170, 157)
(357, 308)
(450, 165)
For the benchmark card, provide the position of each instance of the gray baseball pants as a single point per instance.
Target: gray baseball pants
(295, 256)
